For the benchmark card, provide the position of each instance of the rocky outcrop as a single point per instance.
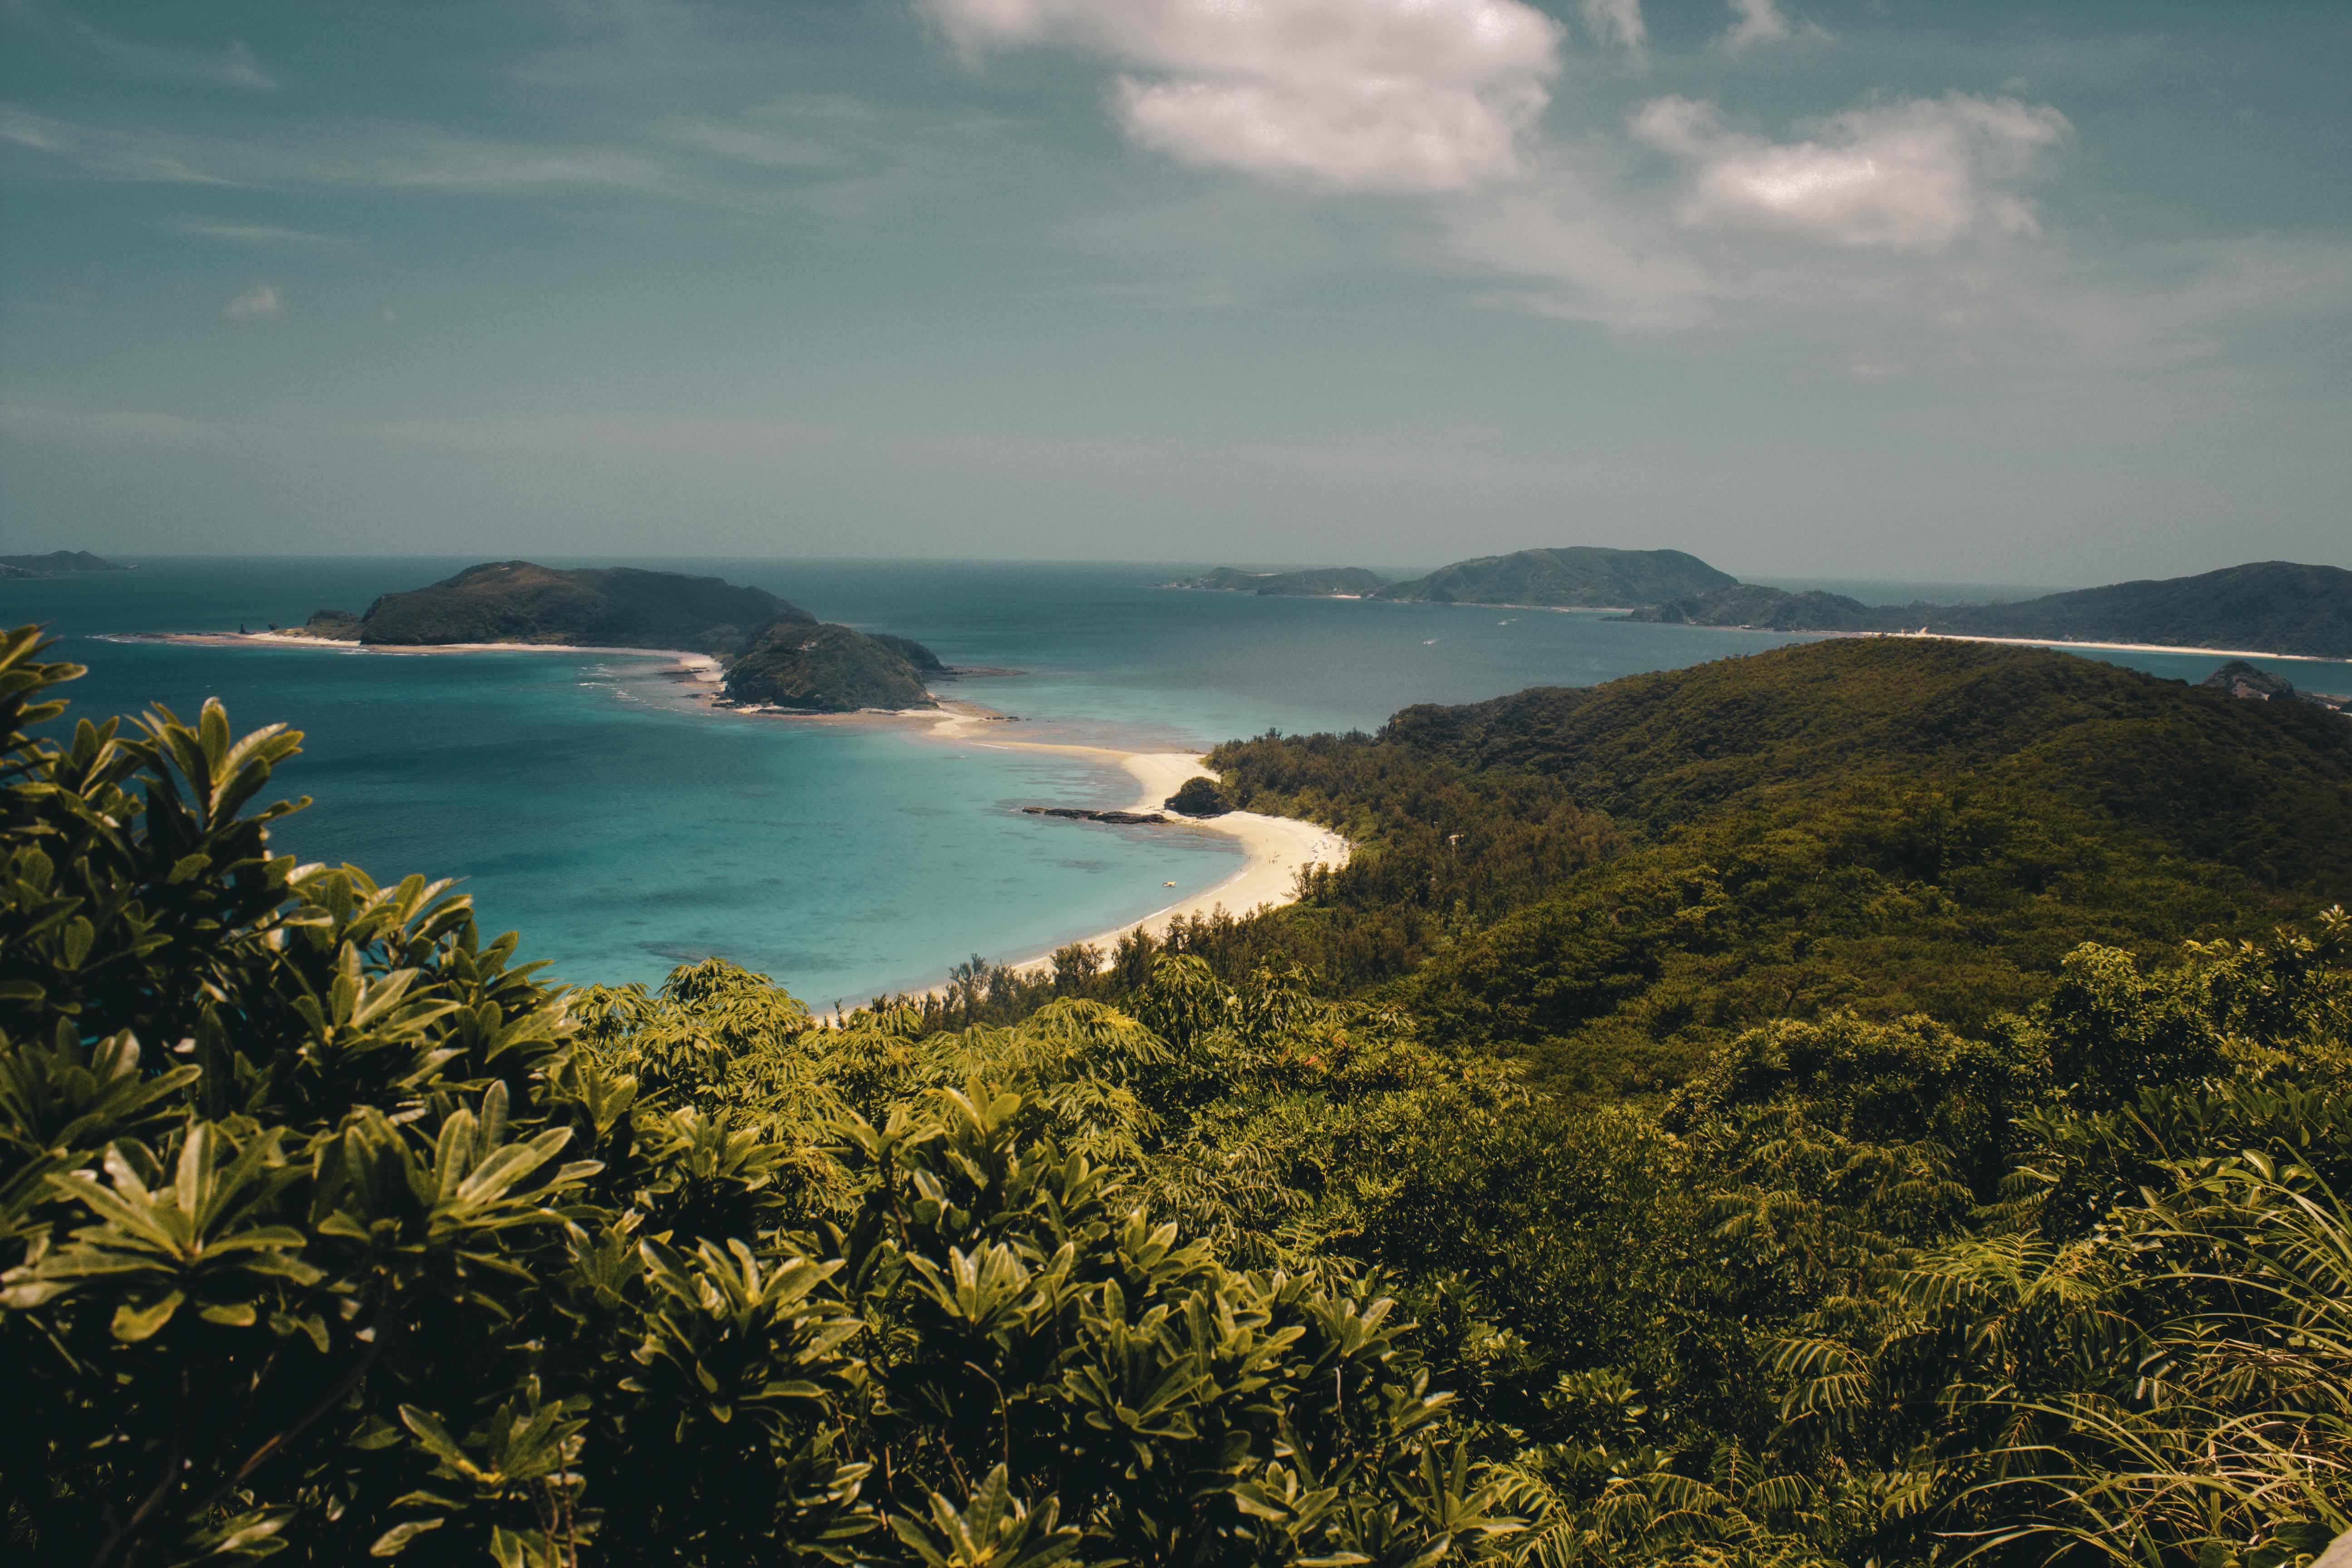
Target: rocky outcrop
(817, 669)
(1119, 819)
(2240, 679)
(614, 606)
(1582, 577)
(327, 625)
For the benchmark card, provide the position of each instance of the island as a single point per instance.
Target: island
(2264, 607)
(818, 668)
(771, 652)
(55, 564)
(1316, 583)
(523, 601)
(1587, 577)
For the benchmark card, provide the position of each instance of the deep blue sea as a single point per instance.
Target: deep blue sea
(624, 830)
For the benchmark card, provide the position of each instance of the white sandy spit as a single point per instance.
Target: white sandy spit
(1275, 848)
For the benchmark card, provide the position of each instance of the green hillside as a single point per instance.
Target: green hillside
(1611, 881)
(617, 606)
(1582, 576)
(330, 1232)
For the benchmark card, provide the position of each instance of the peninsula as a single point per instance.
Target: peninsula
(772, 653)
(2267, 606)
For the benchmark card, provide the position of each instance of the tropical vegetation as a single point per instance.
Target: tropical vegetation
(1345, 1237)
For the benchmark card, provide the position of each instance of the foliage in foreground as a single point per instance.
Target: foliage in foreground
(327, 1229)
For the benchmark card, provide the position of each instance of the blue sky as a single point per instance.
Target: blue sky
(1983, 291)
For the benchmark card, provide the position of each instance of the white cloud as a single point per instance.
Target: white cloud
(1617, 22)
(104, 153)
(1395, 95)
(1760, 22)
(256, 303)
(232, 66)
(1919, 178)
(261, 233)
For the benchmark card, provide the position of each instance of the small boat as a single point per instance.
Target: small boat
(1167, 884)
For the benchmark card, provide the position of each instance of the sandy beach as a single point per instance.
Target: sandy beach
(1275, 848)
(2109, 647)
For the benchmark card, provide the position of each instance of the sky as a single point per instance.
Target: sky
(1864, 288)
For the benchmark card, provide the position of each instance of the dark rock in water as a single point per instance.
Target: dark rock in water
(2240, 679)
(1119, 818)
(824, 669)
(616, 606)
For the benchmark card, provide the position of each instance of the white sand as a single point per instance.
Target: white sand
(1275, 848)
(2109, 647)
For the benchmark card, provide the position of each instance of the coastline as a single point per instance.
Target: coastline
(2109, 647)
(1274, 848)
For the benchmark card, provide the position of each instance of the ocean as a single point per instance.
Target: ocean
(584, 801)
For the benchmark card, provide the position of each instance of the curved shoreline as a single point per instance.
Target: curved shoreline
(1274, 848)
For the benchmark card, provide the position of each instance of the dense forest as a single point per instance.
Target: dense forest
(1871, 1103)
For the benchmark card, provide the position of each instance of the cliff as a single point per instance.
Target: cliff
(1316, 583)
(820, 668)
(616, 606)
(1583, 577)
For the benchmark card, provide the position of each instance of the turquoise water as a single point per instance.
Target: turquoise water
(622, 830)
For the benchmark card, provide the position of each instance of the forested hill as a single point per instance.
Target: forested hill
(1612, 881)
(1548, 1190)
(1582, 577)
(522, 601)
(2277, 607)
(2272, 607)
(2255, 783)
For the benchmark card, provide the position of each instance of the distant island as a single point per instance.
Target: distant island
(1319, 583)
(2269, 607)
(1582, 577)
(55, 564)
(772, 652)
